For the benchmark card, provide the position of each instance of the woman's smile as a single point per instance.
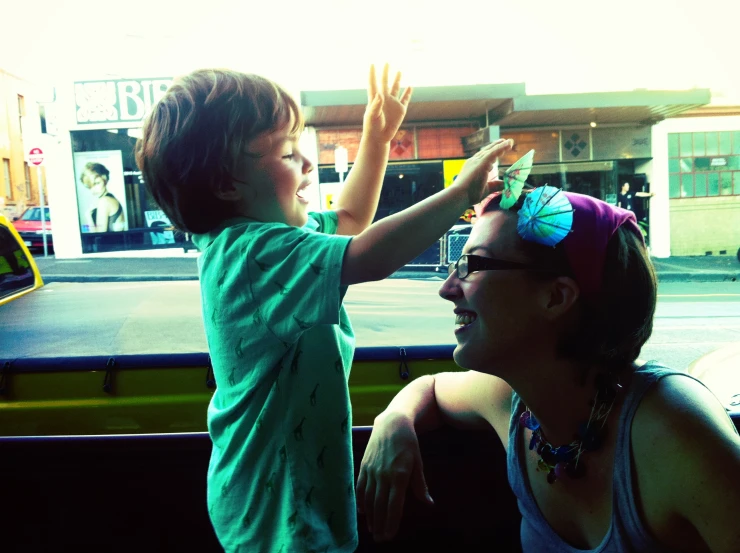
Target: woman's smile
(464, 320)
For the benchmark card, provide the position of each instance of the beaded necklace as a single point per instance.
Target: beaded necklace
(564, 461)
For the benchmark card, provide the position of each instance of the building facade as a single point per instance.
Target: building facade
(696, 168)
(20, 124)
(586, 143)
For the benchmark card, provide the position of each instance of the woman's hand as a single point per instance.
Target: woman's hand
(385, 108)
(392, 463)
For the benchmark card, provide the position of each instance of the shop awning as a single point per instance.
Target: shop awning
(557, 110)
(508, 106)
(331, 108)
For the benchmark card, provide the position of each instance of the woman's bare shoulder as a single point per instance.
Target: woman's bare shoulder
(110, 202)
(472, 395)
(686, 455)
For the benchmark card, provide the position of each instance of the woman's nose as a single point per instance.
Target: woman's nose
(450, 289)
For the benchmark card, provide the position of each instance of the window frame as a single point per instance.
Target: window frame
(683, 170)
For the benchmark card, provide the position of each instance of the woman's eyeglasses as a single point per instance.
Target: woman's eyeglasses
(469, 263)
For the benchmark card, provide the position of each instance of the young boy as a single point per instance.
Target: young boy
(220, 155)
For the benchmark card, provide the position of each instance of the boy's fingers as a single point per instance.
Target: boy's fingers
(406, 98)
(384, 79)
(372, 86)
(376, 107)
(497, 148)
(396, 84)
(485, 150)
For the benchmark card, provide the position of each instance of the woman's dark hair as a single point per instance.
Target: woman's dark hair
(613, 327)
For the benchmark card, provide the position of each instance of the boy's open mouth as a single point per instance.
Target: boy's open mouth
(300, 192)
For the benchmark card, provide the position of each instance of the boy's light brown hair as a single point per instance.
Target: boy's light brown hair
(195, 135)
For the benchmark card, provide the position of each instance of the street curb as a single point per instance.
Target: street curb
(698, 277)
(48, 279)
(115, 278)
(668, 276)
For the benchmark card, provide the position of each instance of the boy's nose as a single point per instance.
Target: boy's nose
(307, 165)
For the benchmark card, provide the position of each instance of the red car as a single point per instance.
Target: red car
(28, 226)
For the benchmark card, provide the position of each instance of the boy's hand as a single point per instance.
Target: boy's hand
(385, 108)
(474, 175)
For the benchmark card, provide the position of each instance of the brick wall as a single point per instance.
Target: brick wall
(432, 143)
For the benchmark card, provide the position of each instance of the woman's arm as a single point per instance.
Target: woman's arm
(392, 460)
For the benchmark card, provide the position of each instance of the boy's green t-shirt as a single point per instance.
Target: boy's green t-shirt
(281, 476)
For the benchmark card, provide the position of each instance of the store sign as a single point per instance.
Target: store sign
(474, 142)
(621, 142)
(117, 101)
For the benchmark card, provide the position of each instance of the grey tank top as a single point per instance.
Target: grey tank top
(627, 533)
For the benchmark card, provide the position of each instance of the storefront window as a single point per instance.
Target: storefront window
(725, 184)
(713, 184)
(404, 185)
(700, 184)
(712, 144)
(725, 147)
(116, 212)
(700, 147)
(703, 164)
(673, 146)
(674, 186)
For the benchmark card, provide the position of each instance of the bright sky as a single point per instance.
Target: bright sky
(328, 44)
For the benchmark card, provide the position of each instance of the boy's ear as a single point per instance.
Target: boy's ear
(563, 295)
(226, 190)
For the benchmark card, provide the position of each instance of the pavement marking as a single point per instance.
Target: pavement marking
(719, 295)
(698, 327)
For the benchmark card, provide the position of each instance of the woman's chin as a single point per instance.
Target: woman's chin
(459, 355)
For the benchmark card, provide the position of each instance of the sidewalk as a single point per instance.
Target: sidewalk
(142, 266)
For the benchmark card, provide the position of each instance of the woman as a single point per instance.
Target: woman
(604, 452)
(107, 215)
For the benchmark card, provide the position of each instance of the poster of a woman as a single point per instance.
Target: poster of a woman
(101, 197)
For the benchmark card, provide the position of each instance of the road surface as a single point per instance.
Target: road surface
(66, 319)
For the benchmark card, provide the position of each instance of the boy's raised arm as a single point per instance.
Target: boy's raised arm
(390, 243)
(385, 111)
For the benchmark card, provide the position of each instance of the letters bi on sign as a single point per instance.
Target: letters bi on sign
(118, 100)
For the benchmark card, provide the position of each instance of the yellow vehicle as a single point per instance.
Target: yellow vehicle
(19, 274)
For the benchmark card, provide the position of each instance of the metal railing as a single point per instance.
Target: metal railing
(445, 251)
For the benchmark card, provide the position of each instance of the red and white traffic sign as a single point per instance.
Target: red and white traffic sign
(36, 156)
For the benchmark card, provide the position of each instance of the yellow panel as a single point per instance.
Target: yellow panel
(162, 400)
(451, 169)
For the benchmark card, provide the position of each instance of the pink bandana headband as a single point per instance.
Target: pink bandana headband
(594, 222)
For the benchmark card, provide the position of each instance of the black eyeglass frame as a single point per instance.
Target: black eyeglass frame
(479, 263)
